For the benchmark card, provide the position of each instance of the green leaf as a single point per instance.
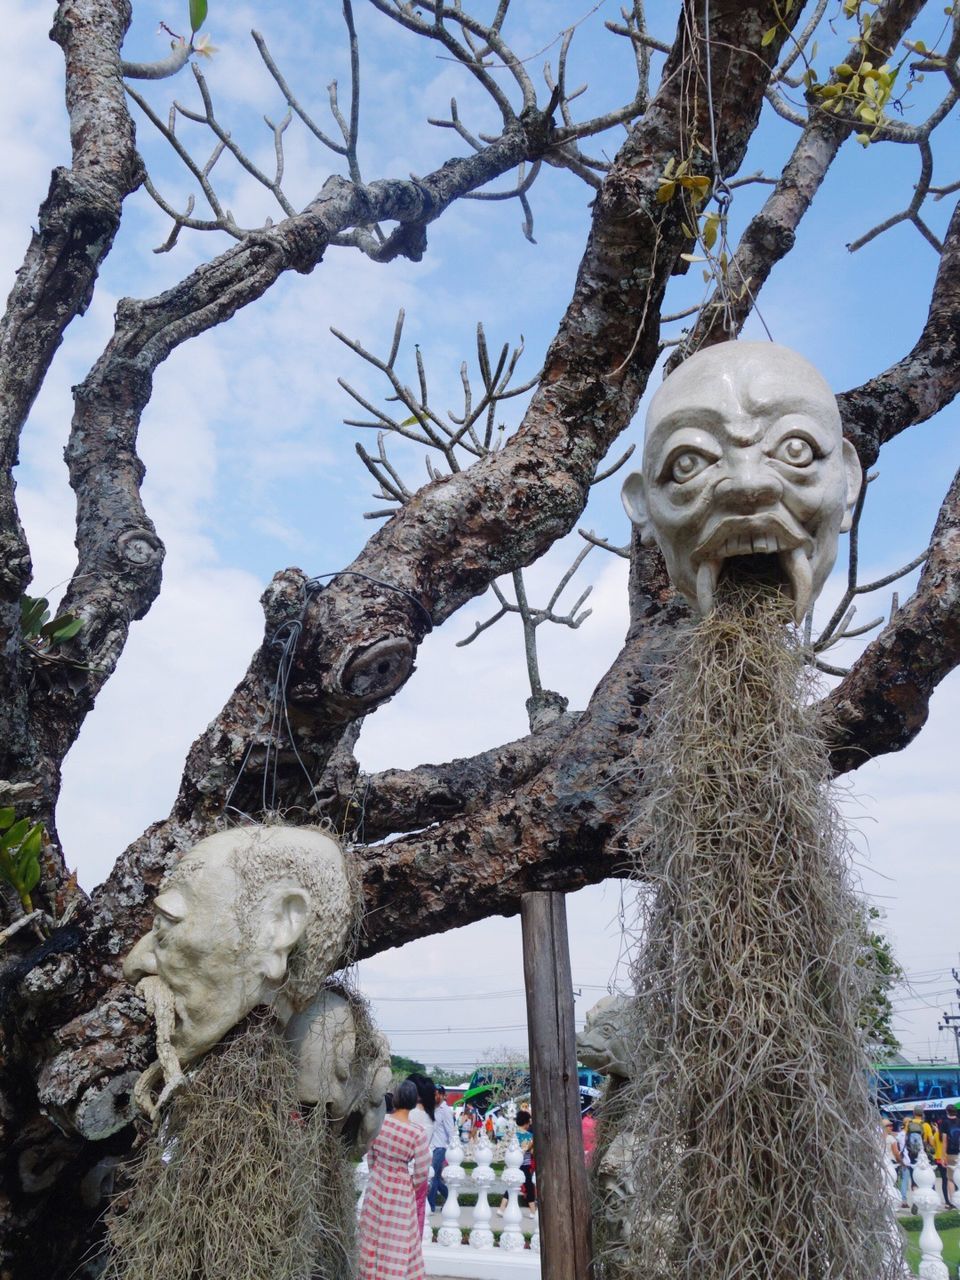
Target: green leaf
(32, 842)
(198, 14)
(29, 875)
(6, 817)
(710, 229)
(34, 611)
(15, 834)
(767, 37)
(665, 192)
(62, 628)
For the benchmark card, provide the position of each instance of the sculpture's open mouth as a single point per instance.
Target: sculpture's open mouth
(762, 557)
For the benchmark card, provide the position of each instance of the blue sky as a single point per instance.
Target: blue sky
(249, 467)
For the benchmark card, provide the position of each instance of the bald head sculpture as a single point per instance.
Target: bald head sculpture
(745, 469)
(244, 917)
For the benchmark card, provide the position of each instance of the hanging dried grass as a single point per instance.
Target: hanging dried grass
(240, 1182)
(752, 1136)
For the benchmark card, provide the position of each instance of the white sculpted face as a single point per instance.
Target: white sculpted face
(744, 456)
(226, 920)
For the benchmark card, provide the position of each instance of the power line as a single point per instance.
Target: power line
(411, 1031)
(473, 995)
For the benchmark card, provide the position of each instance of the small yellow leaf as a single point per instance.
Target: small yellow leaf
(666, 192)
(691, 257)
(767, 37)
(843, 69)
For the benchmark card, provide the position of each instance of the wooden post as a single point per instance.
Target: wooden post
(562, 1193)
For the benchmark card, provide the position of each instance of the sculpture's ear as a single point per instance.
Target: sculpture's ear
(854, 472)
(286, 923)
(634, 495)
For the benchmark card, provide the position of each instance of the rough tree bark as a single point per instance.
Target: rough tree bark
(550, 812)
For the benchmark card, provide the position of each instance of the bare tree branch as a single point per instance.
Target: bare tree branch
(76, 226)
(926, 379)
(771, 233)
(883, 702)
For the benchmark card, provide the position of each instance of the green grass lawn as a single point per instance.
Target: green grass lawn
(948, 1228)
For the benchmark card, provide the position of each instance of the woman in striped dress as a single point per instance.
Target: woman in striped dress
(389, 1242)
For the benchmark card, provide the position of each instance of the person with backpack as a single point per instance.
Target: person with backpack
(951, 1136)
(918, 1138)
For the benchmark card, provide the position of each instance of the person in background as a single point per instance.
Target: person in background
(527, 1166)
(469, 1120)
(441, 1138)
(951, 1141)
(939, 1159)
(588, 1125)
(422, 1115)
(918, 1137)
(892, 1141)
(388, 1239)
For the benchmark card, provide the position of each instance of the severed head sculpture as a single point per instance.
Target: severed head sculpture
(247, 1171)
(745, 473)
(251, 917)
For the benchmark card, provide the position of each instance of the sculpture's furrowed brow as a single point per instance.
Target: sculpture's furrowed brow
(776, 402)
(706, 417)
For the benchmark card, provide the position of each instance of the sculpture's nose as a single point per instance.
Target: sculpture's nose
(141, 961)
(749, 486)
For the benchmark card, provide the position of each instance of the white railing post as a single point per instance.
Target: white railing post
(427, 1235)
(481, 1237)
(361, 1175)
(512, 1238)
(893, 1191)
(926, 1200)
(449, 1234)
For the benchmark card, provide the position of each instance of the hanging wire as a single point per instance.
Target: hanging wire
(286, 639)
(724, 198)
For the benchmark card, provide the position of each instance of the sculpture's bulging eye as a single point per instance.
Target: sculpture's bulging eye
(795, 450)
(686, 465)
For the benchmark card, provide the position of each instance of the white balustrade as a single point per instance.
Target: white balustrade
(449, 1234)
(927, 1202)
(892, 1179)
(427, 1234)
(481, 1237)
(512, 1237)
(481, 1259)
(361, 1176)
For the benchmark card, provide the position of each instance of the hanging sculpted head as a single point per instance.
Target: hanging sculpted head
(243, 916)
(247, 1172)
(745, 471)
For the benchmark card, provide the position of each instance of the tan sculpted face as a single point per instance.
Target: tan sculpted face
(227, 919)
(744, 457)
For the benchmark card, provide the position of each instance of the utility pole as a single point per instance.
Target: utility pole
(562, 1191)
(951, 1021)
